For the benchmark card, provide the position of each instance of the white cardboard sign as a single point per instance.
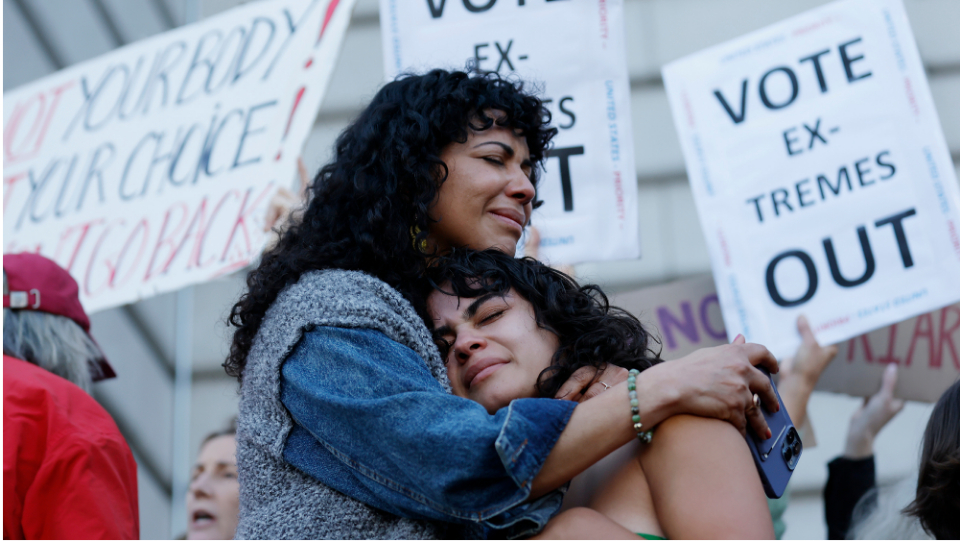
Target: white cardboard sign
(575, 52)
(150, 168)
(685, 315)
(821, 175)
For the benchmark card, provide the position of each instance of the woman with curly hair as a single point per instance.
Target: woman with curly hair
(510, 329)
(347, 427)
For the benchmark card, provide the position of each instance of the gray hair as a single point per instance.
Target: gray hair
(54, 343)
(230, 430)
(879, 513)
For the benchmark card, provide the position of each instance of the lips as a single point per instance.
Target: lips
(511, 216)
(480, 370)
(202, 518)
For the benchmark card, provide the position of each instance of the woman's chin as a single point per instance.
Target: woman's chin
(506, 244)
(491, 403)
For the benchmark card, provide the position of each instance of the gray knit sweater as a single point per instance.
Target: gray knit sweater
(277, 501)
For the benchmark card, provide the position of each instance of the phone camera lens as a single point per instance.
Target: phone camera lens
(790, 436)
(787, 453)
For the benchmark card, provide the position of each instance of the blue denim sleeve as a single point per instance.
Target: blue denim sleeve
(372, 423)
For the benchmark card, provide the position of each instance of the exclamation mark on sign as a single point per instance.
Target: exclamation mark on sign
(331, 8)
(293, 110)
(326, 19)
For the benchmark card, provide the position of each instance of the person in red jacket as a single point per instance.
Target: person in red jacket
(68, 473)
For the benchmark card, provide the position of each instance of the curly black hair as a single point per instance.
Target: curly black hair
(385, 176)
(590, 331)
(937, 504)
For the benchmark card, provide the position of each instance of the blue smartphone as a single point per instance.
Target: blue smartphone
(776, 457)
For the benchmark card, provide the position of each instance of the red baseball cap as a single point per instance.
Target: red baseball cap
(37, 283)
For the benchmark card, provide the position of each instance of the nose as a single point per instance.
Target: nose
(466, 345)
(200, 486)
(521, 187)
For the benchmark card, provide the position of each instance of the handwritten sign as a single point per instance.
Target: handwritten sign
(575, 50)
(820, 173)
(685, 315)
(925, 348)
(150, 168)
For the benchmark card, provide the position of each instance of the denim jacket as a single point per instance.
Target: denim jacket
(372, 423)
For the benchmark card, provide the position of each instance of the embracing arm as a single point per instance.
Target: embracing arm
(368, 408)
(714, 382)
(704, 482)
(374, 424)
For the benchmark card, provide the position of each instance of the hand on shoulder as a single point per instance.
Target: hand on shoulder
(717, 382)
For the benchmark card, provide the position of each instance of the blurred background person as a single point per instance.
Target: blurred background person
(853, 474)
(67, 471)
(213, 500)
(917, 507)
(937, 502)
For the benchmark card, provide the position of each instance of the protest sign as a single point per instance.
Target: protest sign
(821, 175)
(925, 348)
(151, 167)
(575, 52)
(685, 315)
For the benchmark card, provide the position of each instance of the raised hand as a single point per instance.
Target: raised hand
(873, 415)
(799, 374)
(284, 203)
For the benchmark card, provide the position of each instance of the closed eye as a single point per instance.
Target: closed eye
(444, 346)
(492, 317)
(493, 160)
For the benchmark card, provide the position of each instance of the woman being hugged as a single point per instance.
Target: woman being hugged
(347, 427)
(511, 328)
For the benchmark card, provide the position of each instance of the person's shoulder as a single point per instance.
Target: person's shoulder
(338, 291)
(348, 283)
(330, 284)
(367, 341)
(22, 379)
(692, 429)
(67, 411)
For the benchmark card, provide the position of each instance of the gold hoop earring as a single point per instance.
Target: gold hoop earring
(420, 246)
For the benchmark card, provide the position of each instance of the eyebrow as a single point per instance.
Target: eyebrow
(509, 150)
(467, 314)
(506, 148)
(219, 464)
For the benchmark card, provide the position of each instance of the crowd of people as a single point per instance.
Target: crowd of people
(403, 375)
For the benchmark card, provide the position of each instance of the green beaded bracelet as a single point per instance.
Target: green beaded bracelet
(645, 436)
